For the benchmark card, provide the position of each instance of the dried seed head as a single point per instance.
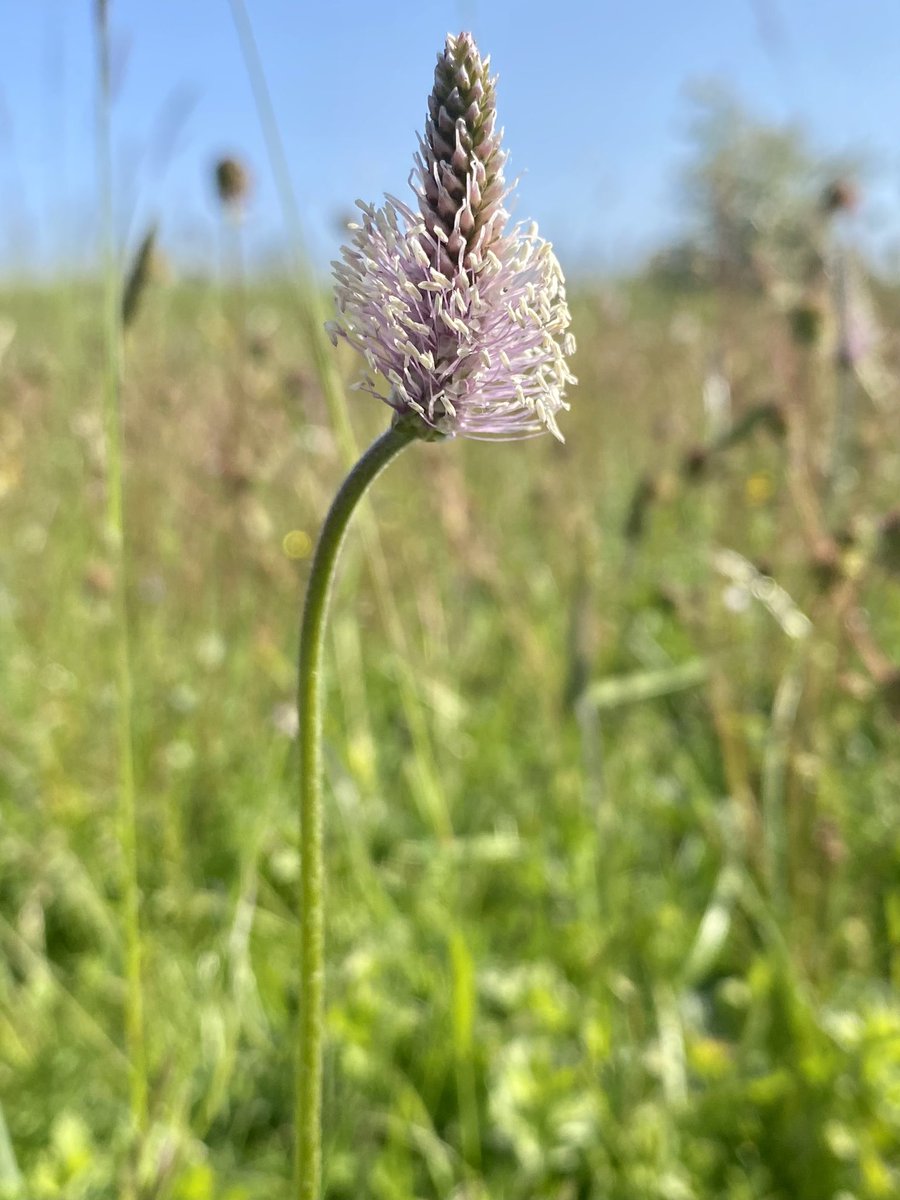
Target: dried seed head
(232, 182)
(138, 277)
(888, 546)
(695, 463)
(643, 496)
(889, 692)
(807, 320)
(825, 567)
(841, 195)
(466, 320)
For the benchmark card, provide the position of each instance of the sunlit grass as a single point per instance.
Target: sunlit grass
(576, 986)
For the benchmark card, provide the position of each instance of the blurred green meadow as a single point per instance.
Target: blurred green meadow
(612, 755)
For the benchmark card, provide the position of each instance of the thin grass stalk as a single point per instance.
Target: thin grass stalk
(840, 467)
(312, 311)
(463, 1000)
(776, 765)
(115, 516)
(310, 1029)
(235, 388)
(363, 746)
(233, 276)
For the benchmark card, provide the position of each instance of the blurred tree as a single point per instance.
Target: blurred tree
(752, 194)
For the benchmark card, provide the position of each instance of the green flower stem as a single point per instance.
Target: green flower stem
(308, 1132)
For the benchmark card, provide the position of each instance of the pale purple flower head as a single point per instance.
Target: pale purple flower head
(465, 319)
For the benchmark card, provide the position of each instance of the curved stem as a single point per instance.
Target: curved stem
(307, 1132)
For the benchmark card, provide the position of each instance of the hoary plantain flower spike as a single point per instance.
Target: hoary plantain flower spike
(465, 318)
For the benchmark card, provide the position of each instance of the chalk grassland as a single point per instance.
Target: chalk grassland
(612, 831)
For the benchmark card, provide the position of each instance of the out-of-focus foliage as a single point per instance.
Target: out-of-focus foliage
(619, 920)
(754, 197)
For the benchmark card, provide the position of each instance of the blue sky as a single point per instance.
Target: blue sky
(593, 97)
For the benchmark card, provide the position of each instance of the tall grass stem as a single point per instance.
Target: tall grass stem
(115, 516)
(775, 779)
(840, 468)
(311, 308)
